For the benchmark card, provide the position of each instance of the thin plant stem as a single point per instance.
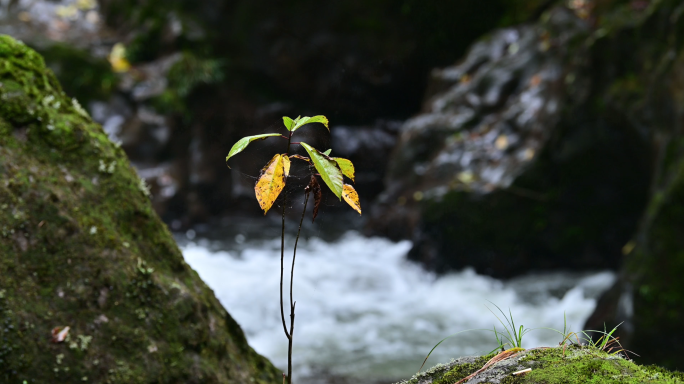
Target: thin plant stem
(292, 303)
(294, 254)
(282, 255)
(282, 267)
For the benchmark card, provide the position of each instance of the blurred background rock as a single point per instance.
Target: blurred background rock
(203, 74)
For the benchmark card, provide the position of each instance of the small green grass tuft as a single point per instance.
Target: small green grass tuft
(513, 336)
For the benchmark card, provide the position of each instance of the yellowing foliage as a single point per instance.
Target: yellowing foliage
(346, 167)
(351, 197)
(272, 181)
(117, 58)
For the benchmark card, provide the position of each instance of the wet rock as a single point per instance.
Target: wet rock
(511, 166)
(82, 250)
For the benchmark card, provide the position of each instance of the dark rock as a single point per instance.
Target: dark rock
(646, 300)
(81, 247)
(518, 161)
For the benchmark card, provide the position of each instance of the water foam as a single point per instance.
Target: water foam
(364, 311)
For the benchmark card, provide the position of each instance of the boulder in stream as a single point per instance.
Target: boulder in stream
(520, 159)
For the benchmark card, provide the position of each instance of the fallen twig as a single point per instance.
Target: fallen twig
(500, 357)
(522, 371)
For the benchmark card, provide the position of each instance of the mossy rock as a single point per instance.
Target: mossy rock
(549, 366)
(652, 281)
(649, 294)
(80, 246)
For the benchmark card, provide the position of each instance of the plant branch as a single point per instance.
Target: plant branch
(289, 347)
(293, 303)
(294, 254)
(282, 258)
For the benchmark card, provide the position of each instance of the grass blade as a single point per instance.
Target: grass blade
(444, 339)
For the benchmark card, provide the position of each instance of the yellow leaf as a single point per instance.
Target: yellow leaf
(117, 58)
(67, 12)
(272, 181)
(86, 4)
(346, 167)
(286, 165)
(351, 197)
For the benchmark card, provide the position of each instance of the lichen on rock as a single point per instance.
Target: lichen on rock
(82, 248)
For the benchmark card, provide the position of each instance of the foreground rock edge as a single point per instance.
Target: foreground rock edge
(81, 247)
(575, 364)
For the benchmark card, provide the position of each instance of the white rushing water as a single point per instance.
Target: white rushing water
(363, 311)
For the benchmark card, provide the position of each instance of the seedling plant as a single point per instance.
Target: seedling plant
(271, 183)
(512, 338)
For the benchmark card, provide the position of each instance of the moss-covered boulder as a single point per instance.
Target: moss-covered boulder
(548, 366)
(81, 247)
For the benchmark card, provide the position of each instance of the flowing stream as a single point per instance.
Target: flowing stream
(366, 315)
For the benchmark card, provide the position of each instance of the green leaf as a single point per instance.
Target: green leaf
(308, 120)
(327, 153)
(327, 168)
(244, 142)
(346, 166)
(289, 123)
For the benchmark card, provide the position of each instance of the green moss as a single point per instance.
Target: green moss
(591, 366)
(450, 373)
(460, 371)
(574, 365)
(80, 246)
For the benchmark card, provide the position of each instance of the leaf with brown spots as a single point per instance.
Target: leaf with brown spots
(300, 157)
(318, 195)
(286, 165)
(346, 166)
(327, 168)
(351, 197)
(272, 181)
